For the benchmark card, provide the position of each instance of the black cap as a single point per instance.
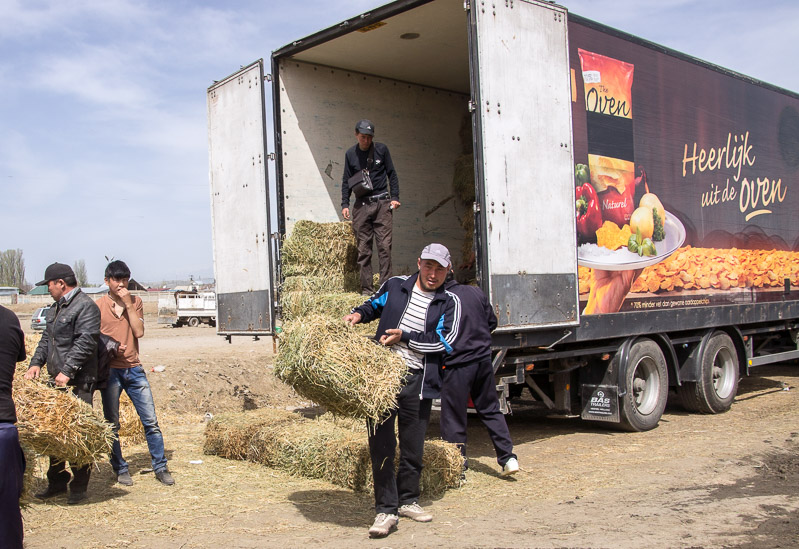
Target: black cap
(56, 271)
(365, 127)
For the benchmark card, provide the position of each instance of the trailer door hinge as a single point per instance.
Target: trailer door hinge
(472, 106)
(466, 5)
(268, 77)
(271, 156)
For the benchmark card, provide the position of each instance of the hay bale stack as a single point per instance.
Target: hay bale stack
(349, 282)
(53, 422)
(320, 249)
(463, 179)
(333, 365)
(463, 188)
(299, 304)
(321, 448)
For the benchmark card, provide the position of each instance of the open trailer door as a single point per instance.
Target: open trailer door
(243, 254)
(521, 95)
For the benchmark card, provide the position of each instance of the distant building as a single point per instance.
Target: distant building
(9, 290)
(39, 290)
(135, 286)
(95, 291)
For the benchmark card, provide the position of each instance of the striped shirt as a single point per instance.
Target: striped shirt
(413, 320)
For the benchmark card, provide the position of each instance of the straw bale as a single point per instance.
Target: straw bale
(229, 435)
(28, 478)
(131, 431)
(463, 179)
(328, 448)
(31, 342)
(349, 282)
(467, 246)
(53, 422)
(443, 466)
(306, 229)
(299, 304)
(319, 249)
(331, 364)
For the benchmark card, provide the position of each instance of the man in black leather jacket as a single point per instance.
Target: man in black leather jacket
(69, 348)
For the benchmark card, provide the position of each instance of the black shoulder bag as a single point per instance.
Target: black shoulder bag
(361, 183)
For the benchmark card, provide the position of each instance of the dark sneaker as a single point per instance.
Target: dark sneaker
(50, 491)
(165, 477)
(414, 512)
(383, 524)
(124, 478)
(76, 497)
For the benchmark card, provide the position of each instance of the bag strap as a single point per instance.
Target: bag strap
(370, 161)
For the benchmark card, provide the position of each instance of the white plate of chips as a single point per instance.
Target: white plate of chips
(597, 257)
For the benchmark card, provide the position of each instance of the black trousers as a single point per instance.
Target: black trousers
(57, 475)
(12, 468)
(477, 379)
(412, 416)
(373, 222)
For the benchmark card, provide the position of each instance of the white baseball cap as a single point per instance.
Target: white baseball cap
(437, 252)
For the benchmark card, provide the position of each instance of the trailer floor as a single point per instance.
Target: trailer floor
(730, 480)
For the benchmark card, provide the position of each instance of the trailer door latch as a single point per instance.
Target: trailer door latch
(472, 106)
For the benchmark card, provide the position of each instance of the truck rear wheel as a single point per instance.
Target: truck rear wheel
(193, 322)
(646, 378)
(718, 378)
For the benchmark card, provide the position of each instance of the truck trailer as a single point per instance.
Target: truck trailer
(566, 128)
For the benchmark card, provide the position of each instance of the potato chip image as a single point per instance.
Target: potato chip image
(610, 236)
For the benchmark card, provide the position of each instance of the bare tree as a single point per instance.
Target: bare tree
(80, 272)
(12, 269)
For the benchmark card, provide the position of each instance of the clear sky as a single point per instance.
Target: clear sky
(103, 142)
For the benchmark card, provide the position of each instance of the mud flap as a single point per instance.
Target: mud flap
(600, 403)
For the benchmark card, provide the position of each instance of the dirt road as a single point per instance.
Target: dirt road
(730, 480)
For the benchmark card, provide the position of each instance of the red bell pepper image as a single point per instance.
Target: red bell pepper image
(589, 213)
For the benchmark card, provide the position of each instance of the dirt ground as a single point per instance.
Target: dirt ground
(730, 480)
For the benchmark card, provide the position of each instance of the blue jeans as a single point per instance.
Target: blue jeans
(135, 384)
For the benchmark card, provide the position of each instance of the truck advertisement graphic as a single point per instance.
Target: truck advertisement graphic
(684, 180)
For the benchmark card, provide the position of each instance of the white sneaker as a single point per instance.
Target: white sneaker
(511, 467)
(383, 524)
(415, 512)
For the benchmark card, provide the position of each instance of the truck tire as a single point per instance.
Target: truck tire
(193, 322)
(718, 378)
(647, 384)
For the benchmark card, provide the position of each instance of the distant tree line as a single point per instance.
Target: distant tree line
(12, 270)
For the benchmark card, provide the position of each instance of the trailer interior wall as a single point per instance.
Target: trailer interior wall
(417, 94)
(319, 108)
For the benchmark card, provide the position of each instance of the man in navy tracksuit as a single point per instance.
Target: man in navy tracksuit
(468, 370)
(420, 320)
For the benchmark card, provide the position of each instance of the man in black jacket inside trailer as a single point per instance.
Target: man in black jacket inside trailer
(372, 215)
